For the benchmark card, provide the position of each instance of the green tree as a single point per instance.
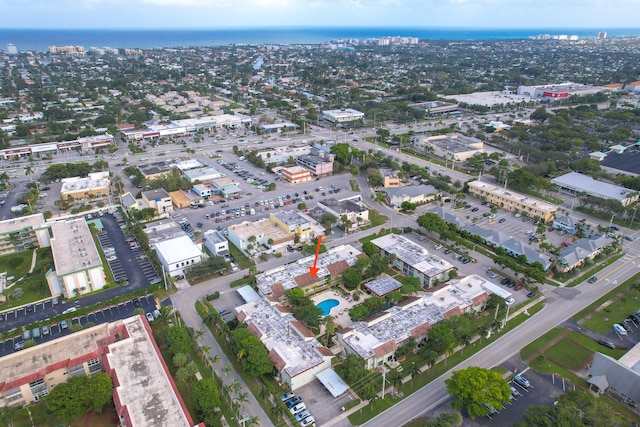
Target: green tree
(77, 395)
(206, 397)
(476, 387)
(575, 409)
(431, 222)
(351, 278)
(179, 360)
(255, 361)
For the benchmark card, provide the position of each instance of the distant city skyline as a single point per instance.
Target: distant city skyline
(221, 14)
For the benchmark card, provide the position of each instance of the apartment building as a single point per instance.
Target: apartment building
(158, 200)
(96, 184)
(514, 202)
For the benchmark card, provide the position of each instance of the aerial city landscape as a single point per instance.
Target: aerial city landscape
(380, 225)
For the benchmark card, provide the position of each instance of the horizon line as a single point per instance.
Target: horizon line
(316, 27)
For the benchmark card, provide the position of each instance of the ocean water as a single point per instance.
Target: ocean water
(40, 40)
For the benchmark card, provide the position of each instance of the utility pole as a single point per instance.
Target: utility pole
(384, 377)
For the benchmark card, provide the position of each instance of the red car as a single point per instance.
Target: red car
(550, 229)
(565, 244)
(518, 287)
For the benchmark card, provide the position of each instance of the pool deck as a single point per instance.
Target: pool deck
(340, 312)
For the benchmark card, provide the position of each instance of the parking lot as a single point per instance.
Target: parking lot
(108, 314)
(322, 405)
(126, 260)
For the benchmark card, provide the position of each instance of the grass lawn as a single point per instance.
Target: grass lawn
(240, 282)
(616, 312)
(376, 218)
(568, 354)
(241, 259)
(542, 364)
(34, 286)
(594, 270)
(587, 342)
(354, 185)
(536, 345)
(593, 307)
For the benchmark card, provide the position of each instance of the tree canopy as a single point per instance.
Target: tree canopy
(71, 399)
(476, 387)
(574, 409)
(253, 355)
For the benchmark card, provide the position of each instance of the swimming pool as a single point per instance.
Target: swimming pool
(327, 305)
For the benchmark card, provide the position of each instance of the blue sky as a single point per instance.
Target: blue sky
(140, 14)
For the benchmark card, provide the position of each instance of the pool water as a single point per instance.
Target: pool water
(327, 305)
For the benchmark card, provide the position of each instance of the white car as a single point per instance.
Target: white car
(150, 317)
(308, 421)
(297, 408)
(69, 310)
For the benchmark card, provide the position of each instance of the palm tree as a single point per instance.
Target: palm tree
(236, 386)
(265, 393)
(4, 179)
(226, 370)
(242, 398)
(242, 353)
(466, 340)
(449, 352)
(482, 330)
(28, 171)
(179, 360)
(253, 421)
(198, 334)
(431, 358)
(277, 411)
(205, 350)
(215, 359)
(396, 380)
(414, 371)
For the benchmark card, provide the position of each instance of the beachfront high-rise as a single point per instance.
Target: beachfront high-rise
(12, 49)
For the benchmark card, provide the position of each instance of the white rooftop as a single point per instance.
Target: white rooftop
(178, 249)
(413, 254)
(278, 333)
(512, 195)
(73, 247)
(579, 182)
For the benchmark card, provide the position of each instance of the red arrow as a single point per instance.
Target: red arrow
(314, 270)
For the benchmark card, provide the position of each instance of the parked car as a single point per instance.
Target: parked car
(302, 415)
(293, 402)
(308, 421)
(518, 287)
(522, 381)
(150, 317)
(297, 408)
(607, 343)
(501, 220)
(288, 395)
(136, 302)
(64, 325)
(531, 294)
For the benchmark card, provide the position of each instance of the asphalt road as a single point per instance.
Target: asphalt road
(560, 305)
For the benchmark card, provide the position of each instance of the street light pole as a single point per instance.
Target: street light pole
(611, 221)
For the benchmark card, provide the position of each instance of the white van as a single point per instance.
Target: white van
(619, 329)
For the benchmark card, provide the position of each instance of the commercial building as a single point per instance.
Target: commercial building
(353, 209)
(283, 154)
(319, 165)
(557, 91)
(342, 116)
(296, 353)
(204, 173)
(216, 243)
(128, 202)
(294, 223)
(177, 254)
(418, 194)
(577, 253)
(23, 233)
(225, 187)
(244, 234)
(332, 263)
(12, 49)
(622, 162)
(433, 108)
(144, 392)
(390, 178)
(377, 338)
(259, 236)
(155, 170)
(296, 174)
(564, 223)
(618, 378)
(78, 266)
(159, 200)
(514, 202)
(414, 260)
(96, 184)
(576, 183)
(181, 199)
(452, 147)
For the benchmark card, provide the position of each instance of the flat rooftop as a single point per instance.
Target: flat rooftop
(271, 231)
(295, 169)
(286, 275)
(73, 247)
(416, 316)
(162, 230)
(158, 193)
(32, 221)
(92, 182)
(458, 144)
(383, 285)
(277, 332)
(245, 229)
(413, 254)
(516, 197)
(145, 387)
(178, 249)
(579, 182)
(154, 168)
(290, 218)
(343, 206)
